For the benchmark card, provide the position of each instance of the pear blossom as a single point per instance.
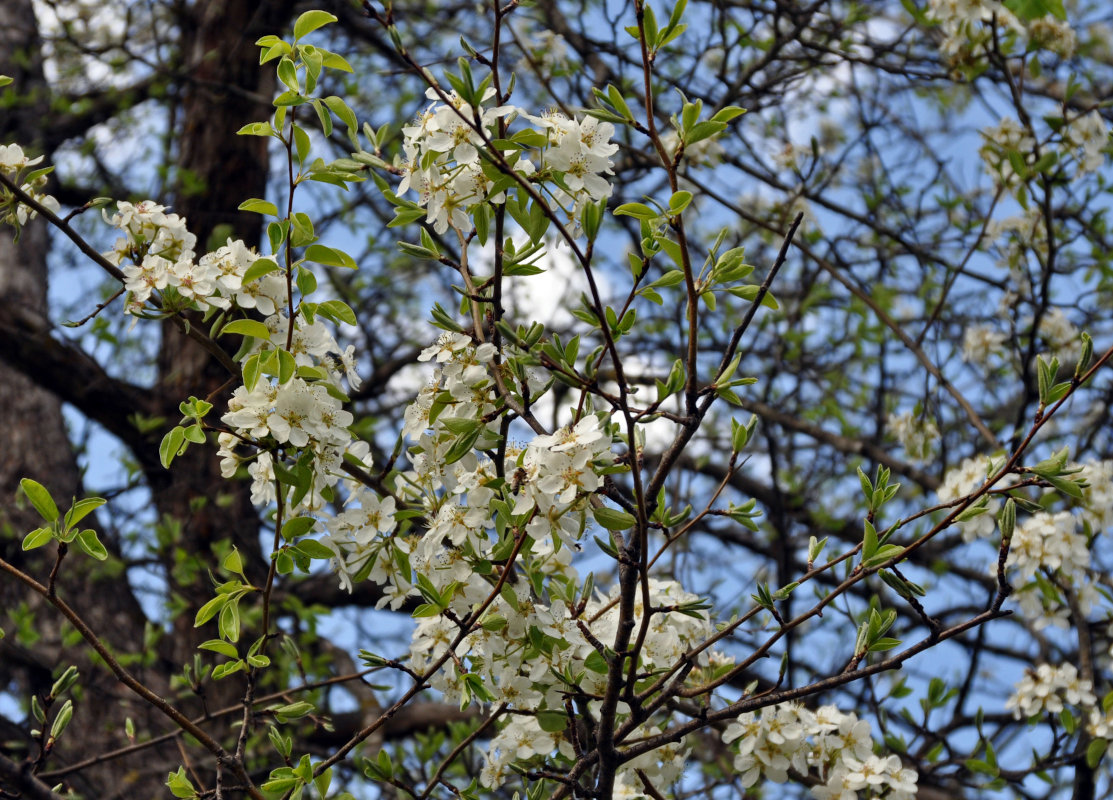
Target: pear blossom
(980, 342)
(917, 434)
(1047, 689)
(962, 481)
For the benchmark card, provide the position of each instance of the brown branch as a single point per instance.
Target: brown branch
(210, 346)
(129, 680)
(21, 777)
(61, 367)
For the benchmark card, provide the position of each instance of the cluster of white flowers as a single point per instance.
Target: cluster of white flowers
(967, 28)
(1052, 543)
(1100, 726)
(160, 248)
(1007, 138)
(980, 342)
(917, 434)
(530, 640)
(966, 24)
(275, 416)
(535, 679)
(1013, 238)
(1045, 545)
(305, 415)
(1061, 336)
(1053, 34)
(444, 167)
(1086, 138)
(836, 747)
(13, 161)
(442, 159)
(548, 52)
(963, 480)
(1083, 139)
(1047, 689)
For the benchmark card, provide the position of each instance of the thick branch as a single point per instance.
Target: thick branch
(69, 372)
(20, 777)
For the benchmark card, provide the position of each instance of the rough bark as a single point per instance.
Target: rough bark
(35, 445)
(217, 170)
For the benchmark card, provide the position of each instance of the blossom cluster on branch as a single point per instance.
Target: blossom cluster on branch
(485, 520)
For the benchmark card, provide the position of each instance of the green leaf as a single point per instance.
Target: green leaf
(229, 668)
(617, 101)
(670, 278)
(1065, 486)
(195, 434)
(329, 256)
(323, 116)
(297, 527)
(260, 267)
(882, 555)
(251, 370)
(338, 311)
(314, 549)
(552, 721)
(180, 785)
(751, 292)
(40, 498)
(338, 107)
(869, 541)
(287, 366)
(302, 143)
(727, 113)
(171, 446)
(614, 519)
(679, 201)
(229, 622)
(220, 646)
(64, 682)
(311, 21)
(884, 643)
(256, 129)
(636, 210)
(322, 782)
(210, 609)
(1029, 10)
(37, 538)
(1094, 752)
(337, 62)
(233, 562)
(288, 74)
(596, 662)
(248, 327)
(87, 540)
(65, 714)
(259, 206)
(306, 281)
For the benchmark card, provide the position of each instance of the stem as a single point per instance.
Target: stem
(126, 678)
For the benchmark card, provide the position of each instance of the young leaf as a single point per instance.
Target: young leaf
(248, 327)
(87, 540)
(311, 21)
(613, 518)
(40, 498)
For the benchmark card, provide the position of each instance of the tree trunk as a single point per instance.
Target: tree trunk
(34, 441)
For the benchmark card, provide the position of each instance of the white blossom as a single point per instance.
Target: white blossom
(980, 342)
(917, 434)
(1047, 689)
